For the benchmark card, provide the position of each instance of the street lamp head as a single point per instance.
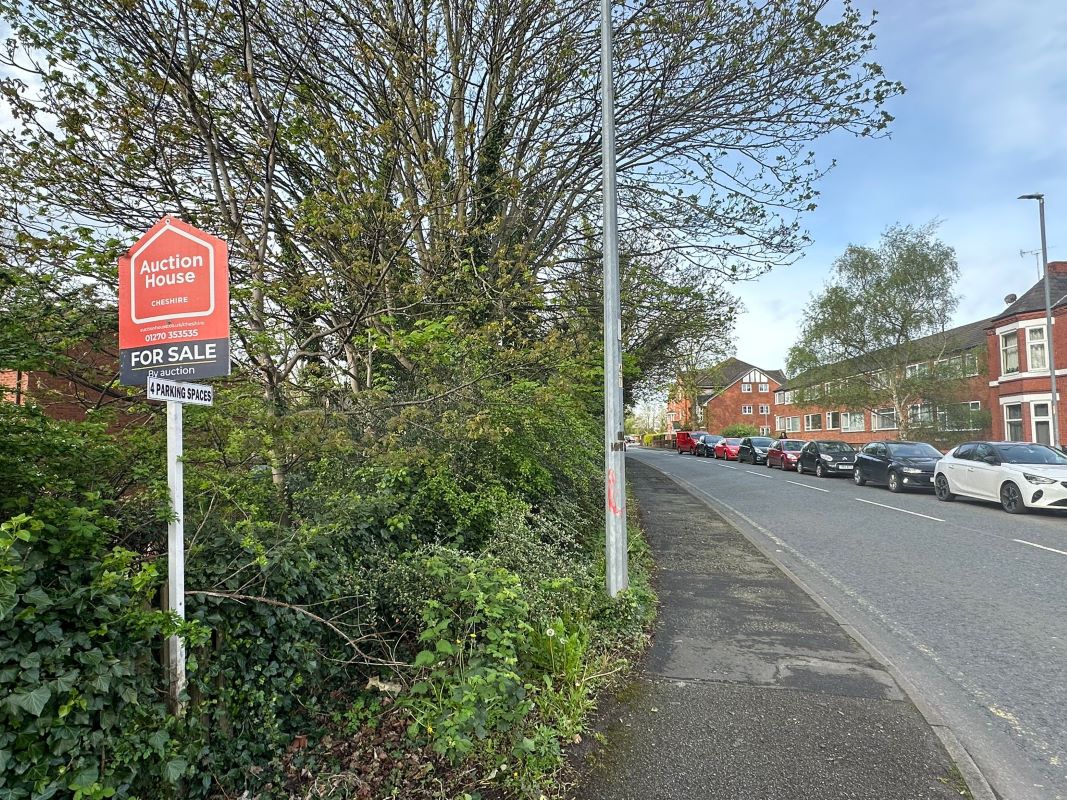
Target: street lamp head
(1035, 196)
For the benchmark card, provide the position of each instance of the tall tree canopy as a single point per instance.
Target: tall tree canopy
(376, 164)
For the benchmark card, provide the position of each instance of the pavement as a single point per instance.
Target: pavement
(752, 690)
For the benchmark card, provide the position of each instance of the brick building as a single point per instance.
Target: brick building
(733, 391)
(1003, 359)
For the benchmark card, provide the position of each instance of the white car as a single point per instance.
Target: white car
(1018, 475)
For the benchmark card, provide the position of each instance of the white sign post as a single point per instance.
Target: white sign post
(176, 394)
(175, 552)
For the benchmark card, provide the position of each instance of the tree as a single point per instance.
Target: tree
(876, 337)
(371, 165)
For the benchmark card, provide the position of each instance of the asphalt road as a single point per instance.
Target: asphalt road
(968, 602)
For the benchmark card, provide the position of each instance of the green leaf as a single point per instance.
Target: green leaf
(33, 702)
(174, 769)
(446, 647)
(425, 658)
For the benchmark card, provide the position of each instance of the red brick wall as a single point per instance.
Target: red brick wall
(725, 408)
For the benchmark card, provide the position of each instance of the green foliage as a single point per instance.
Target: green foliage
(740, 429)
(877, 336)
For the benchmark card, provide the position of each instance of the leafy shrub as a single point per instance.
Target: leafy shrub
(741, 429)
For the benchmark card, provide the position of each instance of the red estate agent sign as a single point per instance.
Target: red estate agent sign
(174, 305)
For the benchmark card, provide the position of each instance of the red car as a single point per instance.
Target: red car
(727, 448)
(784, 453)
(686, 441)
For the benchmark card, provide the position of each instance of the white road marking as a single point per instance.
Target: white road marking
(727, 466)
(901, 510)
(761, 474)
(1053, 549)
(806, 486)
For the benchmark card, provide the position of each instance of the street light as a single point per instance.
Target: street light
(615, 545)
(1040, 198)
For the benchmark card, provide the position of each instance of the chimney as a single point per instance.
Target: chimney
(1057, 268)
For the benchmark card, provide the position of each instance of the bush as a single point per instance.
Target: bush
(740, 430)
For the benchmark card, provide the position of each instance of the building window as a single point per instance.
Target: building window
(813, 422)
(746, 409)
(884, 419)
(1009, 353)
(764, 430)
(853, 422)
(764, 408)
(1013, 422)
(959, 416)
(1037, 356)
(779, 397)
(1041, 422)
(833, 420)
(921, 414)
(916, 370)
(746, 387)
(763, 387)
(792, 424)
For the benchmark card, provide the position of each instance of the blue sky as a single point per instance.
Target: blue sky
(984, 120)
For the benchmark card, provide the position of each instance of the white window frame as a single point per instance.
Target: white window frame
(1009, 421)
(942, 415)
(788, 424)
(878, 420)
(1040, 345)
(764, 408)
(922, 413)
(1034, 419)
(917, 370)
(764, 430)
(779, 397)
(747, 410)
(1004, 351)
(746, 388)
(807, 422)
(833, 417)
(764, 387)
(853, 421)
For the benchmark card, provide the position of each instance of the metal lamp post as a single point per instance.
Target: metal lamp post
(615, 546)
(1040, 198)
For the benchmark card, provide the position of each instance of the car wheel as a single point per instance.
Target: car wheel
(894, 482)
(858, 479)
(820, 470)
(1012, 499)
(752, 459)
(942, 488)
(800, 468)
(768, 463)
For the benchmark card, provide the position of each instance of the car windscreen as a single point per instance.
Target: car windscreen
(836, 447)
(792, 446)
(732, 440)
(761, 441)
(914, 450)
(1030, 454)
(712, 438)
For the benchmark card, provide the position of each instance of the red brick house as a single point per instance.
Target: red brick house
(1018, 374)
(731, 392)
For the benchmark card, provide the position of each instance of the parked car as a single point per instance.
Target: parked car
(1020, 475)
(753, 449)
(706, 445)
(826, 457)
(727, 448)
(899, 465)
(784, 453)
(686, 441)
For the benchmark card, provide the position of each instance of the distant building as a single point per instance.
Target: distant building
(1003, 361)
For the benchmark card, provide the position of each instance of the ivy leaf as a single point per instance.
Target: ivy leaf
(446, 647)
(35, 701)
(174, 769)
(7, 596)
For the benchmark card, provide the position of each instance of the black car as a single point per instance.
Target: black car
(754, 449)
(826, 457)
(899, 465)
(706, 445)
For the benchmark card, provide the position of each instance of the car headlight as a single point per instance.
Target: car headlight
(1038, 478)
(825, 457)
(912, 471)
